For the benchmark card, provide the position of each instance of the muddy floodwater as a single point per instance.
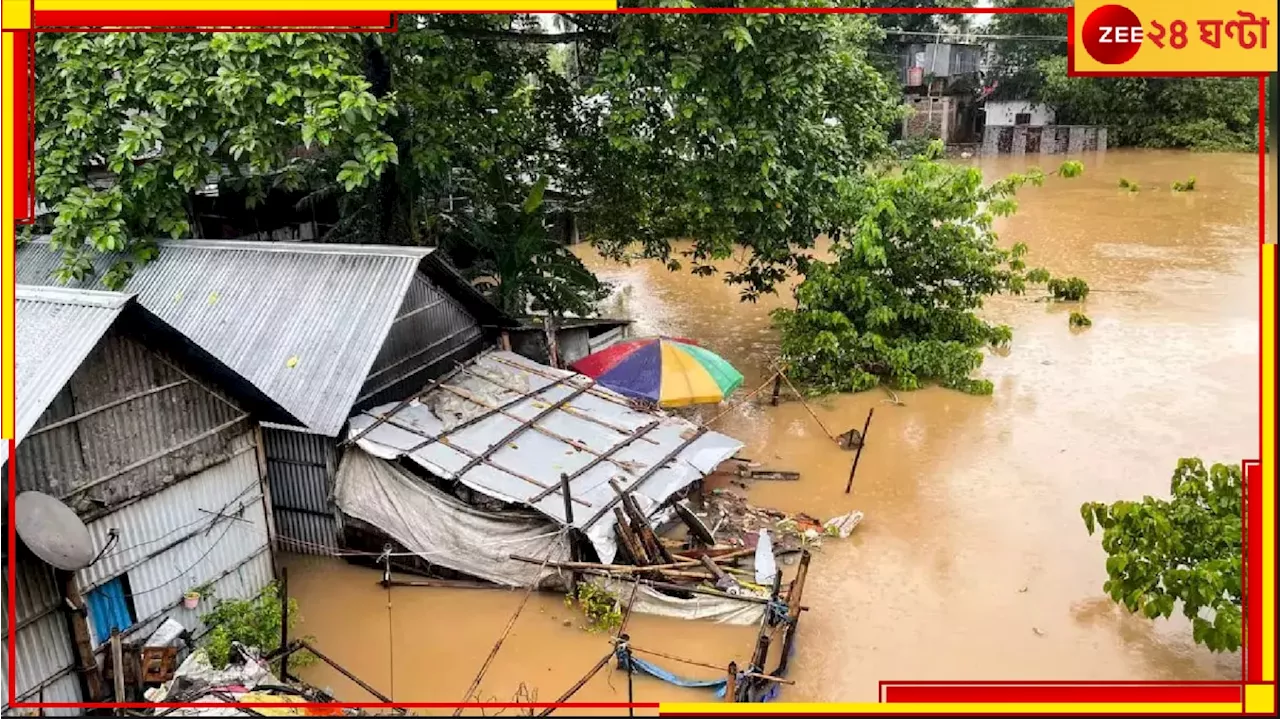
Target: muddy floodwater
(972, 562)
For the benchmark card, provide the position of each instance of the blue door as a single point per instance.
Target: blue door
(109, 608)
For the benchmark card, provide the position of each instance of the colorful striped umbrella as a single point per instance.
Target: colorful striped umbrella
(668, 371)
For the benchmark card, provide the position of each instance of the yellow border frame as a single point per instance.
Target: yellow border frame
(1259, 698)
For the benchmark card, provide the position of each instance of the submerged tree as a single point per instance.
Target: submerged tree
(898, 302)
(1183, 550)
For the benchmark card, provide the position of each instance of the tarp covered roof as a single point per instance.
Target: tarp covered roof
(508, 427)
(303, 322)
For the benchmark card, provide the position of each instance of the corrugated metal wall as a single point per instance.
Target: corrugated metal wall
(431, 332)
(175, 455)
(191, 533)
(300, 470)
(131, 405)
(45, 663)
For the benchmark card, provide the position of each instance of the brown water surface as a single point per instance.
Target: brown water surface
(972, 562)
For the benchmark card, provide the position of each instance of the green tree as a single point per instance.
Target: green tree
(129, 125)
(735, 131)
(1211, 114)
(1026, 40)
(898, 302)
(510, 254)
(1183, 550)
(732, 130)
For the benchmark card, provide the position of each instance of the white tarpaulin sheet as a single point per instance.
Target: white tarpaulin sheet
(444, 530)
(594, 437)
(699, 606)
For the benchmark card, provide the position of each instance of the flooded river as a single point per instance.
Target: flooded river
(972, 562)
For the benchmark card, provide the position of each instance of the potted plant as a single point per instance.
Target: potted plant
(191, 599)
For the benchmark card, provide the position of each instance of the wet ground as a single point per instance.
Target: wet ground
(972, 562)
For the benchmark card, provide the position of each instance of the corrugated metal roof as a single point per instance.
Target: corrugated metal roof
(584, 431)
(55, 329)
(302, 322)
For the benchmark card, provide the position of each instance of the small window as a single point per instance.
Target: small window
(110, 607)
(1022, 118)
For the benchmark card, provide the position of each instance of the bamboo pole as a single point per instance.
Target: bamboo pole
(117, 667)
(750, 599)
(629, 540)
(731, 683)
(858, 455)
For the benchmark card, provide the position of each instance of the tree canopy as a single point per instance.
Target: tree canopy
(732, 130)
(898, 302)
(129, 125)
(1185, 550)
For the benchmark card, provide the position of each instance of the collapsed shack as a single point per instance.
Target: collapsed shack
(510, 473)
(476, 468)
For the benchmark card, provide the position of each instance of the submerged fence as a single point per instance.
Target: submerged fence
(1043, 139)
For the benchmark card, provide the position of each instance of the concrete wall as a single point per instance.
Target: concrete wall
(1006, 112)
(930, 118)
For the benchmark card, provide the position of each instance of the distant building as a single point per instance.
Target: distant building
(155, 444)
(1018, 112)
(940, 81)
(1019, 127)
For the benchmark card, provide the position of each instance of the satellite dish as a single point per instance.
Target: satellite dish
(52, 531)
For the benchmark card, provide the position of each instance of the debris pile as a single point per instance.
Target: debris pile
(246, 687)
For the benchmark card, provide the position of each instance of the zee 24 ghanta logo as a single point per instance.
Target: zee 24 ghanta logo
(1113, 34)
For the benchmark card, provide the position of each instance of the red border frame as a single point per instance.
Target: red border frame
(22, 64)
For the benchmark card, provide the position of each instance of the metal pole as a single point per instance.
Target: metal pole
(861, 443)
(568, 523)
(626, 654)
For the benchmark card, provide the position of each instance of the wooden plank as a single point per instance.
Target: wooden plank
(640, 524)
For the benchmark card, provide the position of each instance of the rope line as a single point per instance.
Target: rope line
(484, 668)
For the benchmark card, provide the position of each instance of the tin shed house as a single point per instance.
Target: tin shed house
(325, 330)
(155, 446)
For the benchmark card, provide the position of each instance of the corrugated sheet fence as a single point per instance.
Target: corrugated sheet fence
(45, 667)
(300, 470)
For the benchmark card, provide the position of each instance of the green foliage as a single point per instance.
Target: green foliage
(601, 607)
(251, 622)
(531, 270)
(1126, 184)
(898, 303)
(1079, 320)
(741, 132)
(1209, 114)
(1070, 289)
(1071, 168)
(130, 124)
(1188, 186)
(1186, 549)
(735, 130)
(1205, 114)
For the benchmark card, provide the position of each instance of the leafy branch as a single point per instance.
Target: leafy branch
(1185, 550)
